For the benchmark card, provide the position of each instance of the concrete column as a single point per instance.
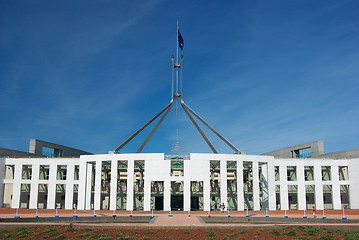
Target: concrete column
(98, 179)
(240, 191)
(89, 168)
(207, 194)
(263, 181)
(187, 196)
(256, 203)
(2, 177)
(51, 194)
(130, 183)
(301, 188)
(82, 195)
(353, 166)
(167, 195)
(283, 188)
(113, 188)
(337, 203)
(223, 172)
(319, 204)
(69, 195)
(16, 187)
(147, 195)
(271, 186)
(34, 186)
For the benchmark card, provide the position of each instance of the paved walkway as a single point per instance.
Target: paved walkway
(180, 219)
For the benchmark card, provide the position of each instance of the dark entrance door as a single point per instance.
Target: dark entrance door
(194, 203)
(177, 203)
(158, 203)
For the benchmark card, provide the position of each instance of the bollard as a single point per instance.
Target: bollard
(170, 215)
(344, 215)
(209, 213)
(36, 216)
(247, 213)
(304, 216)
(323, 214)
(75, 214)
(56, 215)
(94, 212)
(131, 214)
(17, 213)
(114, 214)
(152, 214)
(267, 213)
(285, 214)
(189, 213)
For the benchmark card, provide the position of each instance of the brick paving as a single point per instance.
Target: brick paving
(179, 219)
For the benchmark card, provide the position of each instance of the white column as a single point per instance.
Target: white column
(16, 189)
(223, 172)
(82, 194)
(34, 186)
(167, 195)
(51, 194)
(69, 195)
(319, 204)
(147, 195)
(337, 203)
(255, 175)
(130, 173)
(271, 186)
(113, 190)
(207, 194)
(88, 202)
(301, 188)
(187, 196)
(240, 191)
(283, 188)
(98, 179)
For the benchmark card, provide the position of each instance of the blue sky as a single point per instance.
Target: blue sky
(265, 74)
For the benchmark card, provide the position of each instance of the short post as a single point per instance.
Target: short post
(209, 213)
(267, 213)
(131, 214)
(56, 215)
(247, 213)
(189, 213)
(75, 213)
(17, 213)
(228, 211)
(36, 215)
(323, 214)
(304, 216)
(94, 212)
(152, 214)
(285, 213)
(114, 214)
(170, 215)
(344, 217)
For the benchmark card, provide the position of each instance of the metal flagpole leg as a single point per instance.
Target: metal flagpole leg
(199, 130)
(143, 127)
(154, 129)
(213, 130)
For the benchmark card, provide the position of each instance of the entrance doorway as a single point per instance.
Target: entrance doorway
(194, 203)
(158, 203)
(176, 203)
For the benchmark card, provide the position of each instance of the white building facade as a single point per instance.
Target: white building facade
(188, 183)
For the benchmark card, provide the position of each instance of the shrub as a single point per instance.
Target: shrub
(210, 234)
(290, 233)
(232, 235)
(275, 232)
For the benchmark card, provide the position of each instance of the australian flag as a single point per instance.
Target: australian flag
(180, 40)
